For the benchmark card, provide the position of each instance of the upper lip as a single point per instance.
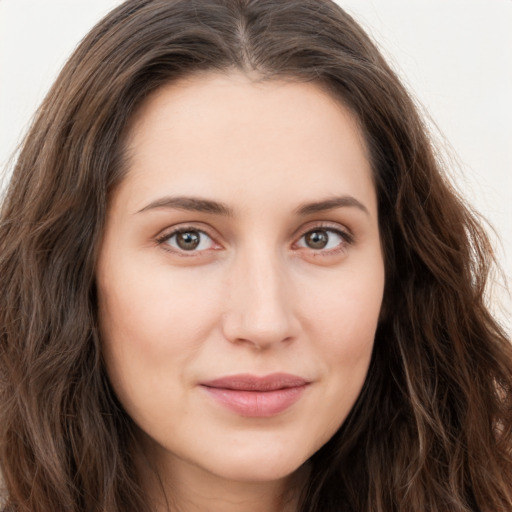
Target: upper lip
(247, 382)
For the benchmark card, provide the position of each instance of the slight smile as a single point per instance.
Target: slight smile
(253, 396)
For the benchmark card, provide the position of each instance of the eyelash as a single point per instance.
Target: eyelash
(347, 239)
(166, 236)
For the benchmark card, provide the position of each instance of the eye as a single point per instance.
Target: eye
(187, 240)
(323, 239)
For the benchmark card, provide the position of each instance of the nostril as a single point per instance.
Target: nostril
(261, 331)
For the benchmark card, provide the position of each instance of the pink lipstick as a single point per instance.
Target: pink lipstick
(254, 396)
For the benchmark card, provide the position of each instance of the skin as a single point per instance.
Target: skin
(253, 297)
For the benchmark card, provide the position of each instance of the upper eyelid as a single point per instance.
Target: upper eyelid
(327, 225)
(182, 228)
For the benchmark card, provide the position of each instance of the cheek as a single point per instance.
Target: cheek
(345, 308)
(151, 327)
(152, 307)
(343, 325)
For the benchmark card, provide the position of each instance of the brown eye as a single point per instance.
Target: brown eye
(188, 240)
(323, 239)
(317, 239)
(191, 240)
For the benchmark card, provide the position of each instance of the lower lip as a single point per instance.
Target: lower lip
(256, 404)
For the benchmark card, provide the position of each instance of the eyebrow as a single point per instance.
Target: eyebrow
(195, 204)
(191, 204)
(331, 204)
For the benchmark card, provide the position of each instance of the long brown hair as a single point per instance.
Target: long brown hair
(432, 428)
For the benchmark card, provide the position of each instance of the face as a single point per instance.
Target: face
(240, 276)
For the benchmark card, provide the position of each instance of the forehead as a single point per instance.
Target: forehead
(213, 132)
(238, 100)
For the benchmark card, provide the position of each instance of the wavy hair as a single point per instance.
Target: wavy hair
(432, 428)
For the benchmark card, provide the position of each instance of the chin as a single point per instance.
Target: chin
(260, 467)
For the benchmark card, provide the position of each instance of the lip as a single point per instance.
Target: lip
(255, 396)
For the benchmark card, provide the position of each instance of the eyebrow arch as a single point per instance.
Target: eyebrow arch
(192, 204)
(331, 204)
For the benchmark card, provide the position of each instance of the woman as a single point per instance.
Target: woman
(234, 278)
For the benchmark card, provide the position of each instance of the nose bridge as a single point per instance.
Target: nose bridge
(259, 310)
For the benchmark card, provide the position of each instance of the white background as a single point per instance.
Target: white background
(455, 55)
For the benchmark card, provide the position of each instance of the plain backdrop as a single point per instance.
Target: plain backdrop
(454, 55)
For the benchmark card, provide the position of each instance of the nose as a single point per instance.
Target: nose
(259, 310)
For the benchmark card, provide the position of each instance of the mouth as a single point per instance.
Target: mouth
(254, 396)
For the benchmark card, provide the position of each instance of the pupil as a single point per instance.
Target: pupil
(317, 239)
(187, 240)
